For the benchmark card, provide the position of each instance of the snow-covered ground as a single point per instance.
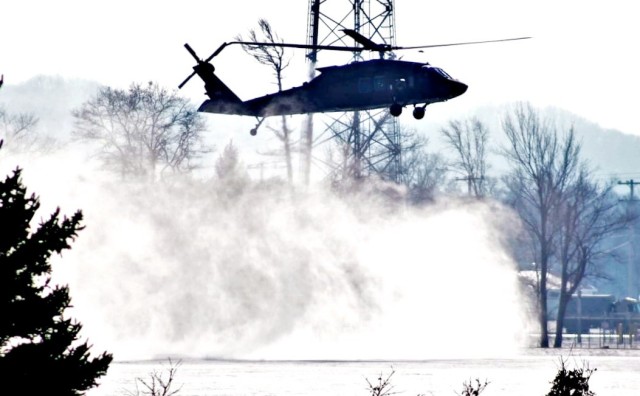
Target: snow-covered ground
(527, 374)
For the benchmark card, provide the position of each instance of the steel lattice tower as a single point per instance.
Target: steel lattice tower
(369, 140)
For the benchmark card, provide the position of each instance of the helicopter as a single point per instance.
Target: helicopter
(361, 85)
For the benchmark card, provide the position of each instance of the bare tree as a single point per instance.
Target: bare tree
(144, 131)
(273, 57)
(423, 173)
(589, 214)
(158, 383)
(351, 159)
(383, 387)
(471, 389)
(468, 139)
(545, 165)
(19, 132)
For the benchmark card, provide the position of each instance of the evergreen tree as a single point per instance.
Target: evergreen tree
(40, 351)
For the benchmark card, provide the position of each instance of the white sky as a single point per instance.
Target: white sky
(584, 55)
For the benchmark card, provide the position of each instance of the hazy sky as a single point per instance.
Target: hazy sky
(583, 56)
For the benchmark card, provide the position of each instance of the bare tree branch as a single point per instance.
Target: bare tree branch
(20, 133)
(469, 139)
(544, 166)
(274, 57)
(144, 131)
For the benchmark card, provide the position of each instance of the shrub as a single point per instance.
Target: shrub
(572, 382)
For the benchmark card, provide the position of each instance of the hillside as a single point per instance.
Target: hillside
(610, 153)
(50, 98)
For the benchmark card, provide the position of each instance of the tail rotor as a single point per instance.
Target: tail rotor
(201, 66)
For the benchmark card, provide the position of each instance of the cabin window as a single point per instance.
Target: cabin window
(400, 84)
(379, 83)
(364, 85)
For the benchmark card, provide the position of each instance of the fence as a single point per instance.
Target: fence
(603, 339)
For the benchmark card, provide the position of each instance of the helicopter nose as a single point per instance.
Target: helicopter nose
(457, 88)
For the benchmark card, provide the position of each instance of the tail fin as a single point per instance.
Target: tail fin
(221, 100)
(215, 88)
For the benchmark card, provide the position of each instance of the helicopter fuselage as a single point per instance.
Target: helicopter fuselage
(363, 85)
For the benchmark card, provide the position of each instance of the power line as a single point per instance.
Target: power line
(631, 183)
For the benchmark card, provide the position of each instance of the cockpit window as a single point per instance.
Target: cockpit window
(442, 73)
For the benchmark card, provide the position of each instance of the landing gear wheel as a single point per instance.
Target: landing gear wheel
(418, 113)
(395, 110)
(254, 131)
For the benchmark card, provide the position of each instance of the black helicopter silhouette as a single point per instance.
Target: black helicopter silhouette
(364, 85)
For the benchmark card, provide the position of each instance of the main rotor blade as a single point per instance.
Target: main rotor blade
(283, 45)
(308, 46)
(463, 43)
(366, 43)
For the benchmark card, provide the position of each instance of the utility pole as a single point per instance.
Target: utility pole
(631, 183)
(471, 182)
(631, 269)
